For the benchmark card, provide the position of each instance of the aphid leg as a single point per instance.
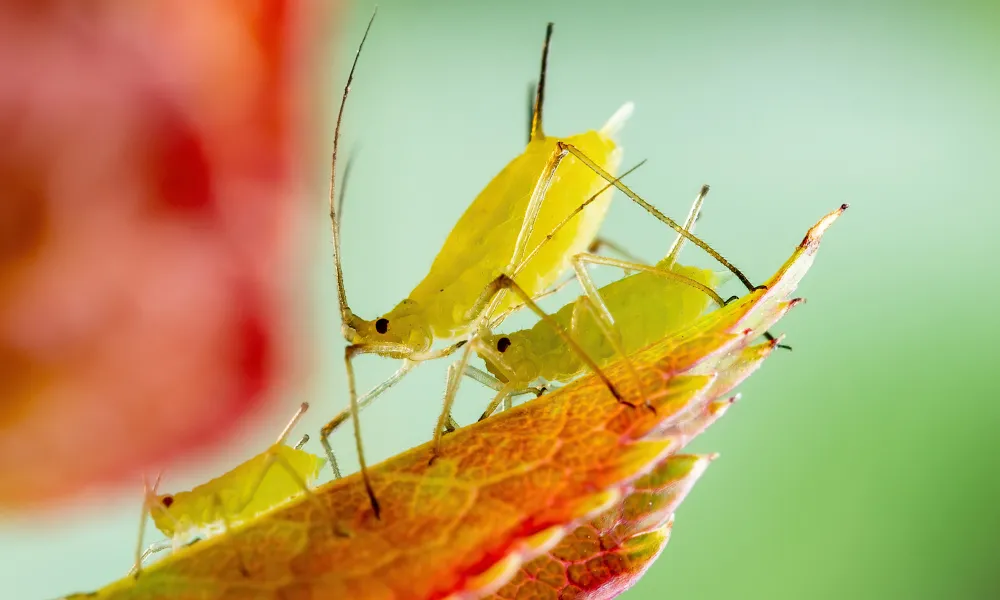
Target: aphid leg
(610, 332)
(555, 289)
(152, 549)
(508, 399)
(277, 459)
(694, 214)
(363, 402)
(387, 349)
(484, 378)
(367, 399)
(502, 395)
(495, 358)
(455, 371)
(548, 237)
(576, 152)
(689, 223)
(493, 294)
(770, 337)
(590, 289)
(220, 511)
(579, 259)
(507, 282)
(602, 316)
(600, 242)
(144, 514)
(349, 353)
(274, 458)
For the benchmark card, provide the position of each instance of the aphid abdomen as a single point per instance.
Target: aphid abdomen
(648, 307)
(278, 485)
(481, 244)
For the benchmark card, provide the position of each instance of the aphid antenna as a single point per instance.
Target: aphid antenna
(345, 310)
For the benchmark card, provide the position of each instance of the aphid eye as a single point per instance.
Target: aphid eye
(382, 325)
(503, 343)
(166, 501)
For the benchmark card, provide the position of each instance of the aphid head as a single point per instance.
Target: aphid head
(164, 518)
(164, 509)
(515, 355)
(403, 331)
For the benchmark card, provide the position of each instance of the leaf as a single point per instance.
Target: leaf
(149, 216)
(604, 557)
(503, 492)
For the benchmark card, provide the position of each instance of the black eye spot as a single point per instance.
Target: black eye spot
(382, 325)
(166, 501)
(503, 343)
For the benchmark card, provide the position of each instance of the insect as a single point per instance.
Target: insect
(240, 494)
(489, 240)
(614, 320)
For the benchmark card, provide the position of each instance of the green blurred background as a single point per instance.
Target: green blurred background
(861, 465)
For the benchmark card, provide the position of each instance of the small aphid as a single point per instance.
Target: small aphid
(240, 494)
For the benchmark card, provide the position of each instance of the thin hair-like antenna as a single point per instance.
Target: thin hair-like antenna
(343, 184)
(586, 160)
(345, 311)
(536, 112)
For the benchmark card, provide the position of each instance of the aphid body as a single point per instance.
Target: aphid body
(265, 481)
(646, 307)
(232, 496)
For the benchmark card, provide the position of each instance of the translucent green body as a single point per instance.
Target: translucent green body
(646, 307)
(231, 496)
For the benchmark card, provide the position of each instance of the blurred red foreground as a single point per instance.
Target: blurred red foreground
(150, 172)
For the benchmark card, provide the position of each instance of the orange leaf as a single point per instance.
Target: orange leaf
(504, 491)
(604, 557)
(150, 166)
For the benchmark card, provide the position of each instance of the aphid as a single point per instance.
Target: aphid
(240, 494)
(489, 240)
(616, 319)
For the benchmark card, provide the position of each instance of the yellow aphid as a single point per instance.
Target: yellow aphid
(523, 202)
(621, 317)
(240, 494)
(646, 307)
(244, 492)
